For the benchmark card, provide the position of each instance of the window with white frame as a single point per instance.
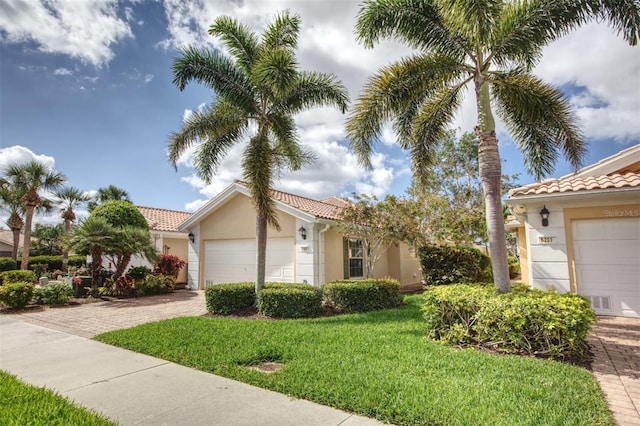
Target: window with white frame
(356, 259)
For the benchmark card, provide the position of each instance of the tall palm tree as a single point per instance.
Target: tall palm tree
(69, 198)
(94, 236)
(110, 193)
(257, 87)
(492, 46)
(31, 179)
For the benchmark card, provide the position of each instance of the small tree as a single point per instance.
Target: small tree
(47, 240)
(93, 237)
(372, 222)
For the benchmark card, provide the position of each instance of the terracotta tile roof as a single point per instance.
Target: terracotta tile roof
(162, 219)
(325, 209)
(627, 179)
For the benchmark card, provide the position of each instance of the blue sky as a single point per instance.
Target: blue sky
(87, 87)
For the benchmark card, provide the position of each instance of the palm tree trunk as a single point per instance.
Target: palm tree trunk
(65, 252)
(16, 243)
(261, 255)
(123, 262)
(490, 178)
(96, 264)
(27, 237)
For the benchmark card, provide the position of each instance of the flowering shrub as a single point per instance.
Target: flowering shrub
(124, 285)
(168, 265)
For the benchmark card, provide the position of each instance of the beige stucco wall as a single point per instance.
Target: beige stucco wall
(179, 247)
(333, 252)
(236, 219)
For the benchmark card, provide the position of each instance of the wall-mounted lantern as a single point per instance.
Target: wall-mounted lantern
(303, 232)
(192, 237)
(544, 214)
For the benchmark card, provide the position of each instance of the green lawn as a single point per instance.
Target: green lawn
(378, 365)
(22, 404)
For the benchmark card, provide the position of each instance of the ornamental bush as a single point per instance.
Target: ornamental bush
(8, 264)
(228, 298)
(53, 294)
(450, 264)
(292, 301)
(532, 322)
(362, 296)
(138, 272)
(18, 275)
(55, 262)
(16, 294)
(154, 284)
(168, 265)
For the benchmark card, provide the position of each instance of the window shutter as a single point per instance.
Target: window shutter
(345, 257)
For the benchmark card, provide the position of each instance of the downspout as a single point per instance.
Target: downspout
(321, 261)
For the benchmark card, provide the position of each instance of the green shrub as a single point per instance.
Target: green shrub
(18, 275)
(514, 266)
(292, 301)
(228, 298)
(53, 294)
(449, 265)
(8, 264)
(55, 262)
(138, 272)
(16, 294)
(526, 321)
(362, 296)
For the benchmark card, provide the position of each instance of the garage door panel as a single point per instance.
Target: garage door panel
(235, 260)
(607, 264)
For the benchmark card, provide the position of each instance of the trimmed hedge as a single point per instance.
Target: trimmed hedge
(17, 294)
(18, 275)
(290, 301)
(532, 322)
(228, 298)
(362, 296)
(53, 294)
(451, 265)
(55, 262)
(8, 264)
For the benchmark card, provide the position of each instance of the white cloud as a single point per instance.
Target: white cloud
(148, 78)
(62, 71)
(86, 30)
(20, 155)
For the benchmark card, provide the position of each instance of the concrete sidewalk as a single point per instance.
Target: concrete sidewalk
(136, 389)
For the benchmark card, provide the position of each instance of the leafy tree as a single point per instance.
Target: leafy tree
(374, 223)
(131, 233)
(258, 90)
(31, 179)
(47, 240)
(110, 193)
(94, 236)
(492, 46)
(69, 198)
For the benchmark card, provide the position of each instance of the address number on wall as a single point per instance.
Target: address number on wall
(545, 240)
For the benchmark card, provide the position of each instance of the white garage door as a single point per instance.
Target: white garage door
(607, 257)
(232, 261)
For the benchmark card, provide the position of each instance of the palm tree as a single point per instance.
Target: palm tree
(492, 46)
(110, 193)
(11, 203)
(94, 236)
(130, 240)
(31, 179)
(257, 87)
(69, 198)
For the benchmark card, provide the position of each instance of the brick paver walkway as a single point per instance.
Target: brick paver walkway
(90, 319)
(615, 343)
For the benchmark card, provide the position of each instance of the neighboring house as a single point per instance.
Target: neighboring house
(590, 243)
(6, 243)
(307, 249)
(167, 239)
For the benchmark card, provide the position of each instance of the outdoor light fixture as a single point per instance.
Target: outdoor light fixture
(544, 213)
(302, 232)
(192, 237)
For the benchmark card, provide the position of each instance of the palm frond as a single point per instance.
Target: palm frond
(313, 89)
(287, 151)
(257, 167)
(475, 19)
(539, 117)
(219, 126)
(397, 91)
(239, 39)
(215, 71)
(415, 22)
(622, 15)
(282, 32)
(275, 70)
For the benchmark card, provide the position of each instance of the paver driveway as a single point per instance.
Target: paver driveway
(90, 319)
